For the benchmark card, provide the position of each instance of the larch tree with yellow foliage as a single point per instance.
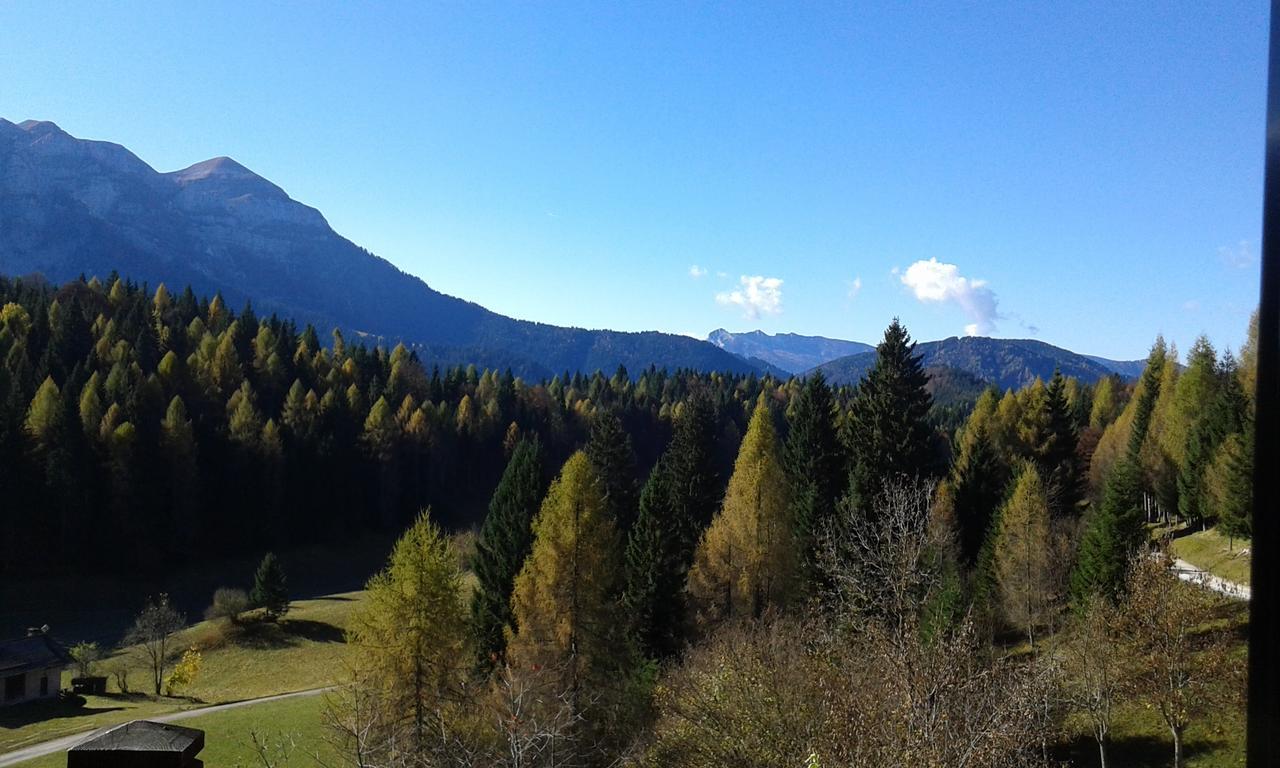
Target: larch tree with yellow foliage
(1023, 553)
(563, 599)
(410, 638)
(747, 560)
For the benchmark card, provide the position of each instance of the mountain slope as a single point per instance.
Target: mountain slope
(1004, 362)
(789, 351)
(70, 206)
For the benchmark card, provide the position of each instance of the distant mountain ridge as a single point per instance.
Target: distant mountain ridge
(790, 352)
(71, 206)
(1006, 363)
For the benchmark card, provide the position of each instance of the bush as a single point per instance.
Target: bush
(85, 655)
(229, 604)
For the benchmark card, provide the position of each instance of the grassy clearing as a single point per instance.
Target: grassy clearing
(1139, 738)
(228, 740)
(306, 650)
(1216, 554)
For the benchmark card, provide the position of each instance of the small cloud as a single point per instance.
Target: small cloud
(756, 295)
(1241, 256)
(855, 287)
(696, 272)
(722, 274)
(936, 282)
(1191, 305)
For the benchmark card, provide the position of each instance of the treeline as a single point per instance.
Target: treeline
(845, 596)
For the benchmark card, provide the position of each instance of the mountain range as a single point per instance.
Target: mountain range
(790, 352)
(71, 207)
(1006, 363)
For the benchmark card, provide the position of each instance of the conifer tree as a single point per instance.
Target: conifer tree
(614, 459)
(270, 588)
(564, 617)
(887, 433)
(814, 465)
(410, 635)
(747, 559)
(1022, 553)
(1055, 450)
(1113, 532)
(694, 486)
(977, 482)
(178, 442)
(505, 540)
(655, 571)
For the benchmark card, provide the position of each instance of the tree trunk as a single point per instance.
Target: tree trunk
(1102, 753)
(1177, 747)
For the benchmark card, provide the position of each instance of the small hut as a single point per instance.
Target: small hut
(139, 744)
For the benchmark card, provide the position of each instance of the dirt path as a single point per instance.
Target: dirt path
(66, 742)
(1188, 572)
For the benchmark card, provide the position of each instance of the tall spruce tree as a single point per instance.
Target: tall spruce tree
(814, 465)
(978, 481)
(610, 452)
(505, 540)
(694, 484)
(270, 588)
(655, 572)
(887, 433)
(1113, 532)
(1055, 450)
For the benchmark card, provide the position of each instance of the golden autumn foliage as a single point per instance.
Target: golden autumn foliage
(747, 559)
(561, 600)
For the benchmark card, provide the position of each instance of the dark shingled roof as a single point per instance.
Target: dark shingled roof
(145, 736)
(38, 651)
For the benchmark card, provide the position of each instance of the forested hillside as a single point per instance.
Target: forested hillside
(661, 553)
(1005, 363)
(71, 206)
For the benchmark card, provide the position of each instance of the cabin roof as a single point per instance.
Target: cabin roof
(144, 736)
(38, 651)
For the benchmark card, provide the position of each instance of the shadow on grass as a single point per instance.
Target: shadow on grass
(1133, 751)
(285, 633)
(22, 715)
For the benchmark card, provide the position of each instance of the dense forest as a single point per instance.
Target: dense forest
(672, 567)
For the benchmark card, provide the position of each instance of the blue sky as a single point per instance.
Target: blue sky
(1086, 174)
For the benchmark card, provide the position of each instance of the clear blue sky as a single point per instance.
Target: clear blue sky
(1087, 174)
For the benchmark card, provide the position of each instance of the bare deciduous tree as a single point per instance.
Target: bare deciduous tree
(152, 631)
(1183, 666)
(1093, 667)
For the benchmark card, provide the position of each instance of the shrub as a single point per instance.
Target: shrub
(228, 603)
(85, 655)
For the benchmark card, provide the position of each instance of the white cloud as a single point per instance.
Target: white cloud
(935, 282)
(696, 272)
(756, 295)
(1191, 305)
(855, 287)
(1241, 256)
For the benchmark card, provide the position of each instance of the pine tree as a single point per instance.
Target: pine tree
(1229, 484)
(814, 465)
(564, 617)
(1022, 553)
(506, 538)
(888, 434)
(270, 588)
(747, 559)
(178, 442)
(1113, 532)
(610, 452)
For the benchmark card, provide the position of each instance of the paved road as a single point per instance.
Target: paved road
(66, 742)
(1188, 572)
